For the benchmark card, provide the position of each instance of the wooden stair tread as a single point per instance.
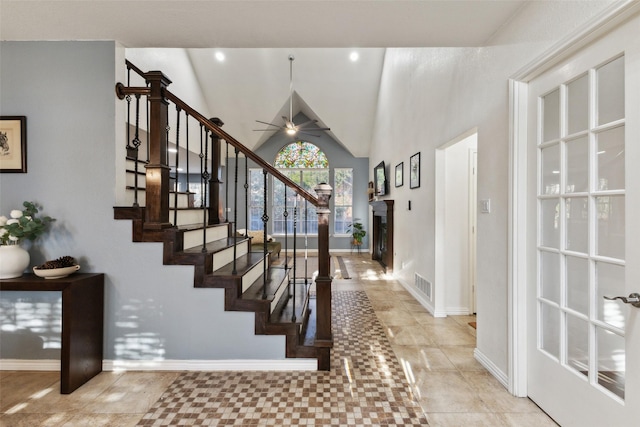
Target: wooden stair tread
(198, 226)
(213, 247)
(243, 264)
(284, 310)
(275, 279)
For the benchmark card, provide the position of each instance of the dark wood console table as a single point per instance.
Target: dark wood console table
(82, 322)
(383, 233)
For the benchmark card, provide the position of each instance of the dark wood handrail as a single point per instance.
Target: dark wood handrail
(122, 91)
(244, 150)
(131, 66)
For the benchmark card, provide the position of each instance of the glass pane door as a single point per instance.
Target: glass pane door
(581, 226)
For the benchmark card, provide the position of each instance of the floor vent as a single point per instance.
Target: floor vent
(423, 285)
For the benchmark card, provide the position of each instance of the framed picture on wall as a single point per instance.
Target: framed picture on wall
(414, 171)
(13, 144)
(399, 174)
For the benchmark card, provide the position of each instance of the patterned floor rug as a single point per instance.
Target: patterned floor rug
(365, 387)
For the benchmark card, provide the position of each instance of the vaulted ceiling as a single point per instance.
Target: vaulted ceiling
(256, 38)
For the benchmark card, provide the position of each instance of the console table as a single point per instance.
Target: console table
(82, 322)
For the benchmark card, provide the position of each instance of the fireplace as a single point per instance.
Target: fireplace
(383, 233)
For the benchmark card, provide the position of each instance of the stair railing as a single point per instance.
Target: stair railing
(157, 183)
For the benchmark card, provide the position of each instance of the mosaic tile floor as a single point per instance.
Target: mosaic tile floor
(365, 387)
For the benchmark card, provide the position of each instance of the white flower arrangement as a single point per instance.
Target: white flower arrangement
(22, 224)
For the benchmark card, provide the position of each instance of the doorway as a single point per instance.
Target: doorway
(455, 241)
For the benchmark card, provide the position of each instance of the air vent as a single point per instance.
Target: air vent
(423, 285)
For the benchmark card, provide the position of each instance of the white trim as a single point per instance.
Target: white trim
(422, 299)
(457, 311)
(518, 111)
(586, 33)
(171, 365)
(517, 241)
(491, 367)
(29, 365)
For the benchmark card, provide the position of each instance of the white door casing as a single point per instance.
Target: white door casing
(557, 357)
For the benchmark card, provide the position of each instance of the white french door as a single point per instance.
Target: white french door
(584, 234)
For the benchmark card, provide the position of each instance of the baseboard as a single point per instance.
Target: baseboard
(171, 365)
(29, 365)
(422, 299)
(492, 368)
(457, 311)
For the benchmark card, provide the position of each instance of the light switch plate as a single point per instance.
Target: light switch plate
(485, 205)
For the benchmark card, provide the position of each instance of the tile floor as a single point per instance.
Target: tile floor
(436, 355)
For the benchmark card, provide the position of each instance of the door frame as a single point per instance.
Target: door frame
(517, 261)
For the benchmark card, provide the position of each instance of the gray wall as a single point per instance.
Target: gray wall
(66, 90)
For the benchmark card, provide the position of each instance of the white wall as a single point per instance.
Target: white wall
(152, 312)
(429, 96)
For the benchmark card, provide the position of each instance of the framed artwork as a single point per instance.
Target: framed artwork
(414, 171)
(399, 174)
(13, 144)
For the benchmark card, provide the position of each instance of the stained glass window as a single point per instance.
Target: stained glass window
(301, 155)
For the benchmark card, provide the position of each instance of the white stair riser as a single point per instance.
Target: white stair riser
(194, 238)
(191, 216)
(183, 199)
(225, 257)
(281, 290)
(252, 275)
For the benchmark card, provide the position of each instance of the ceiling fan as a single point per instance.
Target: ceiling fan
(289, 126)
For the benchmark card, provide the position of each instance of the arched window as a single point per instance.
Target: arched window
(301, 155)
(306, 165)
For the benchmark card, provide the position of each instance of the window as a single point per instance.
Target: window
(343, 196)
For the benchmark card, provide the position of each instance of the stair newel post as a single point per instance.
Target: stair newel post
(323, 280)
(235, 214)
(215, 184)
(177, 163)
(265, 219)
(157, 170)
(205, 180)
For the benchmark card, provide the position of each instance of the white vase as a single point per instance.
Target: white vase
(13, 261)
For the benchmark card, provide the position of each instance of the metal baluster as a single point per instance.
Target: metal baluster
(205, 181)
(265, 218)
(135, 144)
(286, 228)
(175, 189)
(246, 194)
(234, 228)
(295, 227)
(226, 187)
(186, 122)
(306, 244)
(148, 127)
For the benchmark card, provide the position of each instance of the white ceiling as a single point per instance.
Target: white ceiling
(258, 35)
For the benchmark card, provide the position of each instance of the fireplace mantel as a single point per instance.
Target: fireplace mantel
(383, 233)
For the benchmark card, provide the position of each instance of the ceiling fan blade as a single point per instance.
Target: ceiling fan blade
(266, 130)
(306, 123)
(310, 134)
(267, 123)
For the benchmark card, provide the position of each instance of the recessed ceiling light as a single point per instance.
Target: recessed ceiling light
(354, 56)
(220, 56)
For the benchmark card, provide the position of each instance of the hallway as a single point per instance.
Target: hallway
(437, 374)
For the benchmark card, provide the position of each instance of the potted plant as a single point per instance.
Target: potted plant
(23, 224)
(357, 232)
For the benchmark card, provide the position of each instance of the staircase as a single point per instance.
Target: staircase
(201, 236)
